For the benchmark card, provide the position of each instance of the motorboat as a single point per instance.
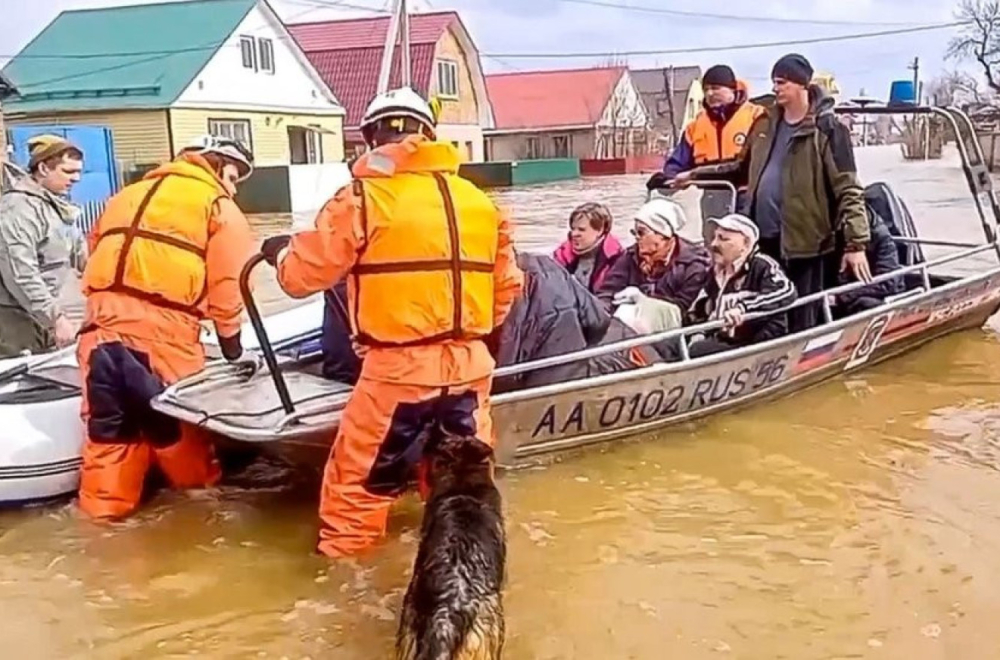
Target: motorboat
(292, 411)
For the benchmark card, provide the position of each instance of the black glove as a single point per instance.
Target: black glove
(658, 180)
(272, 246)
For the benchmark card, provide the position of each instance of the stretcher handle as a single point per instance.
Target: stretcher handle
(258, 328)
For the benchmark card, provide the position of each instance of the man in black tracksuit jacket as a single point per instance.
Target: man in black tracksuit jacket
(743, 281)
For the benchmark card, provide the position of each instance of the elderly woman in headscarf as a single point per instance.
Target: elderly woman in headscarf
(589, 250)
(655, 281)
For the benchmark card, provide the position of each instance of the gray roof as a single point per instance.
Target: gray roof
(652, 84)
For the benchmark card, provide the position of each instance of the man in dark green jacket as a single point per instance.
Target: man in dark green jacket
(802, 186)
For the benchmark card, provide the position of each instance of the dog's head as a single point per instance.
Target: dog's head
(456, 460)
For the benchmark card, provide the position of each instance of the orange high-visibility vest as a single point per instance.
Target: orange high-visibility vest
(425, 273)
(711, 142)
(152, 239)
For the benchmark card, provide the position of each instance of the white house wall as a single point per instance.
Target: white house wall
(625, 108)
(465, 135)
(226, 83)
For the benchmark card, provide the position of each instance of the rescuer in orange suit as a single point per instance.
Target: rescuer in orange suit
(165, 254)
(717, 134)
(431, 272)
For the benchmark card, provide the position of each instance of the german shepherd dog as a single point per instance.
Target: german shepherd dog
(453, 608)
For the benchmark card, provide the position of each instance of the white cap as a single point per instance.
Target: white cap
(402, 102)
(738, 223)
(662, 215)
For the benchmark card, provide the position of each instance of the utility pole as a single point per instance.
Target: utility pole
(914, 66)
(400, 21)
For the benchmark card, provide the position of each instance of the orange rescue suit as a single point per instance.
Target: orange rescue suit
(165, 254)
(431, 271)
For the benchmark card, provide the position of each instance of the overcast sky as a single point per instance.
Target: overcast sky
(504, 27)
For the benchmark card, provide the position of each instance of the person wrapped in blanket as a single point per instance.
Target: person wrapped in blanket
(556, 315)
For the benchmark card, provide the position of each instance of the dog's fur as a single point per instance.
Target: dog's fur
(453, 608)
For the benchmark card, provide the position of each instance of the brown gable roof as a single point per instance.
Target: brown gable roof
(651, 86)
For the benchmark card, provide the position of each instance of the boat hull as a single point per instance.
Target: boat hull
(534, 424)
(40, 449)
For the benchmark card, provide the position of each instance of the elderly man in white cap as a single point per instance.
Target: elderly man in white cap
(661, 275)
(743, 281)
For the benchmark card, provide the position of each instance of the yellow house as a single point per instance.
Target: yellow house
(160, 75)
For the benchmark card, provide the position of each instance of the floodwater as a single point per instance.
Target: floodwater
(854, 520)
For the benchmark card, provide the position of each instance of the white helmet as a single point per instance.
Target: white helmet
(225, 147)
(402, 102)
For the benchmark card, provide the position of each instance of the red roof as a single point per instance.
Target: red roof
(550, 99)
(348, 55)
(368, 32)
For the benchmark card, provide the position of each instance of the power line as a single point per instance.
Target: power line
(723, 17)
(499, 56)
(719, 49)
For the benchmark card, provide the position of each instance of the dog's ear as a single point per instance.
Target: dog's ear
(475, 451)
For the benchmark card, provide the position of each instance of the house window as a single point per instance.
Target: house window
(534, 148)
(266, 49)
(560, 146)
(469, 153)
(234, 129)
(248, 52)
(447, 78)
(305, 145)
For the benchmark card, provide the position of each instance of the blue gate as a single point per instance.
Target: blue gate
(100, 174)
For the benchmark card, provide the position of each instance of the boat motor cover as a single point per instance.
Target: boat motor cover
(887, 205)
(120, 386)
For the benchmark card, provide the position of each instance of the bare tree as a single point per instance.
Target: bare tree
(979, 39)
(956, 88)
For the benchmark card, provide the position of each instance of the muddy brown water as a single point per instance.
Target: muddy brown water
(857, 519)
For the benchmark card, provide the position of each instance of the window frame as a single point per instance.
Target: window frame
(248, 46)
(265, 46)
(215, 122)
(451, 66)
(567, 141)
(534, 147)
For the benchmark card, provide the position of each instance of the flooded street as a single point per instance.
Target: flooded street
(857, 519)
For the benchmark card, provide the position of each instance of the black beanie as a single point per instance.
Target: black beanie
(720, 75)
(793, 68)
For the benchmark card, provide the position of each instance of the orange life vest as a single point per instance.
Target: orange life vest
(152, 239)
(425, 273)
(711, 142)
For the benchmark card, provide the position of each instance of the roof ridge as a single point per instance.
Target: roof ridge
(145, 5)
(385, 17)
